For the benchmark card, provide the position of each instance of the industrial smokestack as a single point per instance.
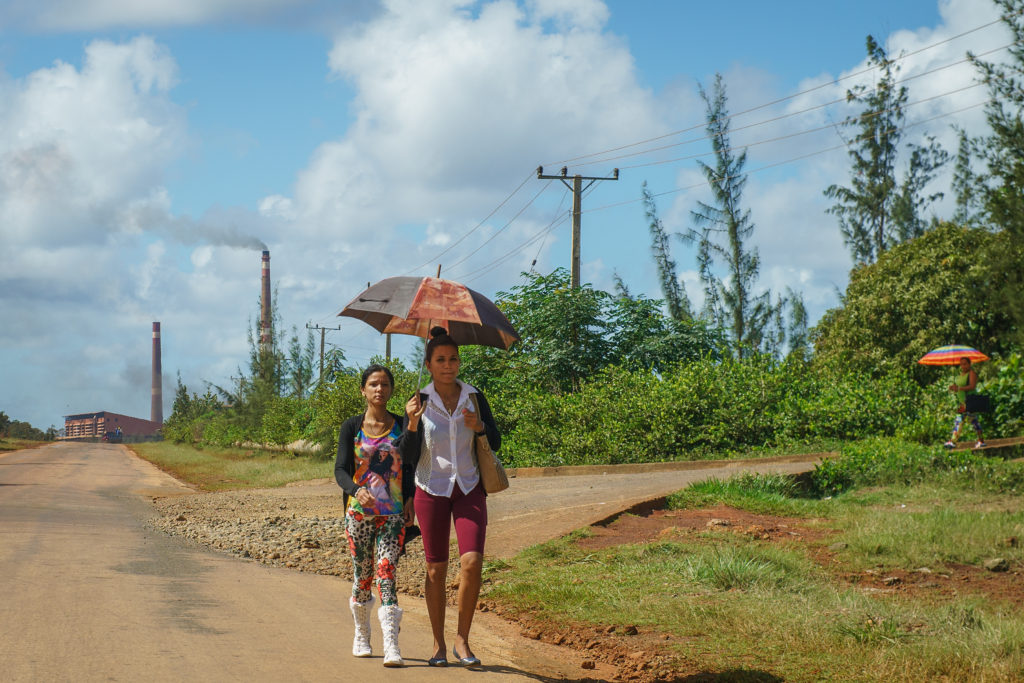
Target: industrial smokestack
(266, 338)
(156, 410)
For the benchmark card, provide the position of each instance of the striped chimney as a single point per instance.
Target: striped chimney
(156, 410)
(266, 339)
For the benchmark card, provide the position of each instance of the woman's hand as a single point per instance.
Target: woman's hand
(472, 420)
(953, 387)
(409, 513)
(414, 409)
(365, 498)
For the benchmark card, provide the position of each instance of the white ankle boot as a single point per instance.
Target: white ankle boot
(361, 617)
(390, 618)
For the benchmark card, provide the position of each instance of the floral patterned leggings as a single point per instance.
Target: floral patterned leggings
(959, 422)
(366, 534)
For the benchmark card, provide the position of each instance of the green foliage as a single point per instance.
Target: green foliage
(877, 211)
(16, 429)
(284, 420)
(883, 461)
(1007, 392)
(999, 186)
(941, 288)
(730, 301)
(568, 335)
(700, 409)
(672, 289)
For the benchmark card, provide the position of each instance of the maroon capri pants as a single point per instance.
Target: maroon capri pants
(435, 514)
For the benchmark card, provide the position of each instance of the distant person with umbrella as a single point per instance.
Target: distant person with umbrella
(378, 508)
(964, 382)
(440, 429)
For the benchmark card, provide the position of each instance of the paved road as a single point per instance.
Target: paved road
(88, 592)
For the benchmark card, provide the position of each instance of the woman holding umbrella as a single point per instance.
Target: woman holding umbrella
(441, 425)
(963, 384)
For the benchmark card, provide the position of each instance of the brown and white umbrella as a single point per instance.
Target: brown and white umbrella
(414, 305)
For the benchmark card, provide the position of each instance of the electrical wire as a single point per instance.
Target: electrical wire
(790, 160)
(474, 229)
(807, 131)
(605, 160)
(504, 227)
(779, 100)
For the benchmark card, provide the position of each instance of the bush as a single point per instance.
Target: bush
(701, 409)
(886, 461)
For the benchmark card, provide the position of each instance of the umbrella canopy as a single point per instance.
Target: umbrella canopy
(951, 355)
(413, 305)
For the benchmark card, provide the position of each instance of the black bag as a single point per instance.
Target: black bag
(978, 403)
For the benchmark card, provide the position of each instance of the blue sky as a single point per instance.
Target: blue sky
(146, 148)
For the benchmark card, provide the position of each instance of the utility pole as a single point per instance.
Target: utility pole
(323, 331)
(577, 203)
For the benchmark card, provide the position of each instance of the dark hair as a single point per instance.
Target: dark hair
(439, 337)
(965, 358)
(376, 368)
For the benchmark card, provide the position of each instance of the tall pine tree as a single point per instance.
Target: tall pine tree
(723, 230)
(672, 289)
(877, 210)
(1002, 152)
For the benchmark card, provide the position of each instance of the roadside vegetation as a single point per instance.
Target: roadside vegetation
(735, 602)
(222, 469)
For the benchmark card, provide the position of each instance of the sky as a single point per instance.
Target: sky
(149, 151)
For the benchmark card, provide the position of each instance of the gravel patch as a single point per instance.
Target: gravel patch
(282, 528)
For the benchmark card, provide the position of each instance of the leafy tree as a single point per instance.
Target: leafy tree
(1002, 151)
(797, 333)
(5, 423)
(724, 229)
(562, 335)
(942, 288)
(966, 185)
(672, 289)
(642, 337)
(299, 364)
(877, 211)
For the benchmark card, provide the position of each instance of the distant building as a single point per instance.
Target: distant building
(92, 425)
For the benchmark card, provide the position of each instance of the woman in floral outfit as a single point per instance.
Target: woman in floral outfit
(378, 508)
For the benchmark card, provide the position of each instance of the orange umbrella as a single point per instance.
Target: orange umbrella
(413, 305)
(951, 355)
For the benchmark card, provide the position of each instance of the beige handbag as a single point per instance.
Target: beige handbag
(492, 474)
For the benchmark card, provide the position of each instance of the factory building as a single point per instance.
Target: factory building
(97, 425)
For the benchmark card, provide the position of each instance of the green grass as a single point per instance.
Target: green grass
(219, 469)
(731, 603)
(12, 444)
(771, 494)
(750, 605)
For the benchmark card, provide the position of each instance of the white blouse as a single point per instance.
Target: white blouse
(447, 456)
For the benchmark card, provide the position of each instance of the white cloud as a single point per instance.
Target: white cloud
(75, 145)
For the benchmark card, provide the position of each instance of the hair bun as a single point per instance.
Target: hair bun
(437, 331)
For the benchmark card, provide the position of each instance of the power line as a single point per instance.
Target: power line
(809, 130)
(780, 117)
(779, 100)
(792, 159)
(470, 275)
(474, 229)
(504, 227)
